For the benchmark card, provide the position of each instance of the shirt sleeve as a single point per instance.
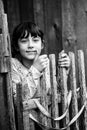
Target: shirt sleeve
(35, 73)
(36, 78)
(15, 78)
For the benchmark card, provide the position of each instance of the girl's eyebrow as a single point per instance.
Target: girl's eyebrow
(23, 38)
(35, 36)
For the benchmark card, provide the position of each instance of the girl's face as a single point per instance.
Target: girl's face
(30, 48)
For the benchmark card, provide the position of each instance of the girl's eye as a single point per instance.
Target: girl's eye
(35, 39)
(24, 40)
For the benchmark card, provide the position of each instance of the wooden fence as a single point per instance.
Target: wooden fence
(7, 120)
(64, 107)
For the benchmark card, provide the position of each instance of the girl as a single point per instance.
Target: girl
(27, 62)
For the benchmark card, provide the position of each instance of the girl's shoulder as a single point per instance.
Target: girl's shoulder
(15, 63)
(17, 66)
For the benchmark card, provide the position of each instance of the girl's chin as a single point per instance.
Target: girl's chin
(29, 58)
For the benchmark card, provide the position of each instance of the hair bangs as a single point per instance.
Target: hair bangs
(24, 34)
(35, 31)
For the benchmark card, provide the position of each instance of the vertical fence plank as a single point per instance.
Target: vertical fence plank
(24, 123)
(43, 99)
(20, 125)
(4, 122)
(31, 123)
(73, 87)
(45, 85)
(48, 90)
(64, 91)
(82, 83)
(4, 44)
(5, 72)
(10, 102)
(7, 53)
(54, 92)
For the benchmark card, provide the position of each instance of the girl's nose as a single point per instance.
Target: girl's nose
(30, 44)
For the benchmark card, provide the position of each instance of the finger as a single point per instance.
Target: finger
(63, 55)
(64, 59)
(36, 57)
(62, 52)
(43, 56)
(44, 65)
(42, 60)
(65, 64)
(40, 57)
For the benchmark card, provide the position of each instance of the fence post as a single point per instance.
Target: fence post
(82, 85)
(19, 108)
(5, 75)
(54, 89)
(73, 87)
(45, 85)
(62, 86)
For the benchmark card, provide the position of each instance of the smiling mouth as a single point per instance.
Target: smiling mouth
(30, 51)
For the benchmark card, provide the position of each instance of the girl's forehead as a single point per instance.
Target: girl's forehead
(27, 33)
(30, 36)
(33, 35)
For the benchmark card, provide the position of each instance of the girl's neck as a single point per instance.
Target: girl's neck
(27, 63)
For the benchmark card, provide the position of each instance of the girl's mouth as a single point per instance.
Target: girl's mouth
(31, 52)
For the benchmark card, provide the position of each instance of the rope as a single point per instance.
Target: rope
(44, 127)
(47, 114)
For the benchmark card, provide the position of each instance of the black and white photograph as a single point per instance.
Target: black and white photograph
(43, 65)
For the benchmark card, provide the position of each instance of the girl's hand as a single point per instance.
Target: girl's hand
(41, 63)
(64, 60)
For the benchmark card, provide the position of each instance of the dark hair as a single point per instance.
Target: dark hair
(20, 33)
